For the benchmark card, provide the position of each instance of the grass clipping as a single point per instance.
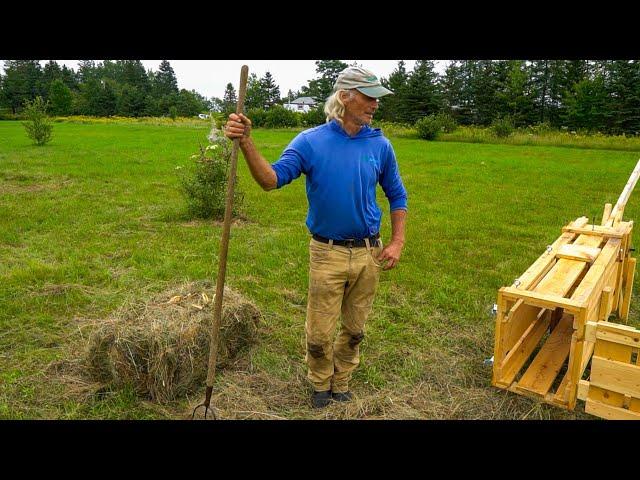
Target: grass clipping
(161, 348)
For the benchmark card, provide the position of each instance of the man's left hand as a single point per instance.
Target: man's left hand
(391, 253)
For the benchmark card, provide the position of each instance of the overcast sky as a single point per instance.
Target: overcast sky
(210, 77)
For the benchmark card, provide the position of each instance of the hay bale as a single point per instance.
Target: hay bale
(161, 348)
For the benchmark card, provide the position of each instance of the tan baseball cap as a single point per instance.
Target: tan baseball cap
(362, 80)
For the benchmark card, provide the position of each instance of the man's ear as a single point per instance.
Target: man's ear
(345, 96)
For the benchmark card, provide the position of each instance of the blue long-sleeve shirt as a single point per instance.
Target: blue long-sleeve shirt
(342, 173)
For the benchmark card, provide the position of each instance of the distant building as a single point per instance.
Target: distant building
(301, 104)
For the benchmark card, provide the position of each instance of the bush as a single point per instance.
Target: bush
(204, 183)
(258, 117)
(502, 127)
(314, 117)
(280, 117)
(38, 125)
(428, 127)
(173, 112)
(447, 122)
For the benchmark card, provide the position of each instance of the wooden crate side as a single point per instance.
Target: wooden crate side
(628, 287)
(544, 369)
(619, 377)
(610, 412)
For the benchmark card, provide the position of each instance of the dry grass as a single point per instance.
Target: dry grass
(161, 347)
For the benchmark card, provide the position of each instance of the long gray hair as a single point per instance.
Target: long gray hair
(334, 108)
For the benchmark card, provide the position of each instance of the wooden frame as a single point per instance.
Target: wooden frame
(547, 323)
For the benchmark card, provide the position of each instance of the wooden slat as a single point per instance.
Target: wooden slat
(561, 277)
(522, 350)
(595, 277)
(583, 389)
(626, 299)
(605, 303)
(530, 278)
(545, 367)
(578, 252)
(595, 230)
(519, 319)
(609, 412)
(606, 213)
(542, 300)
(616, 376)
(618, 334)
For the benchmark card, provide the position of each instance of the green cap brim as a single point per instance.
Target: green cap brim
(375, 92)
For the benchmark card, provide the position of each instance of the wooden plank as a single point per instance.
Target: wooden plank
(581, 253)
(583, 389)
(595, 230)
(593, 281)
(605, 303)
(522, 350)
(530, 278)
(609, 412)
(545, 367)
(616, 376)
(519, 319)
(561, 277)
(606, 213)
(626, 299)
(542, 300)
(619, 334)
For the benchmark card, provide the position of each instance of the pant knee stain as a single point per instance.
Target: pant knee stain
(356, 339)
(316, 351)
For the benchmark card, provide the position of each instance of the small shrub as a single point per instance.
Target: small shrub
(173, 112)
(314, 117)
(429, 127)
(447, 122)
(502, 127)
(38, 125)
(204, 182)
(280, 117)
(258, 117)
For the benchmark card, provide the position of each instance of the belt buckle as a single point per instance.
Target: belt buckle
(349, 242)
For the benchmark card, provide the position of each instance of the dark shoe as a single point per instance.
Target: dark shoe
(342, 396)
(321, 399)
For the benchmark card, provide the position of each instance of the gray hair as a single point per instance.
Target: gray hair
(334, 108)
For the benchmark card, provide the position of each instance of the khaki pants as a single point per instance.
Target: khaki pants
(342, 280)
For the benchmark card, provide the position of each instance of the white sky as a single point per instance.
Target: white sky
(210, 77)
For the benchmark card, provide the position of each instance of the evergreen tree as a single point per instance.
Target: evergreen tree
(50, 73)
(22, 82)
(166, 82)
(60, 98)
(270, 89)
(586, 104)
(229, 100)
(623, 94)
(420, 97)
(190, 103)
(388, 107)
(515, 94)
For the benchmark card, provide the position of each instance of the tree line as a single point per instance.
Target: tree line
(601, 95)
(593, 95)
(120, 87)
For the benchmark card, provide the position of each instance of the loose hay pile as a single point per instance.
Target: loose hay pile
(161, 348)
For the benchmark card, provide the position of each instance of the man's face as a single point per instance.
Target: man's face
(360, 108)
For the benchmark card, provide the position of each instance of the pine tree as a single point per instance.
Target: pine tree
(256, 97)
(388, 107)
(166, 82)
(22, 81)
(420, 96)
(623, 93)
(229, 100)
(270, 89)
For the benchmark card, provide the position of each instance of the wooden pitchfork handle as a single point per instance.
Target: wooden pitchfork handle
(224, 247)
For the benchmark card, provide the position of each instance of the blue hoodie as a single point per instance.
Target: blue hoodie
(342, 173)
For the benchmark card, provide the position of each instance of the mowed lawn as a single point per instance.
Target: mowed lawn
(95, 219)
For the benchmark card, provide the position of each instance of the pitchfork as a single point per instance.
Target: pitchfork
(222, 266)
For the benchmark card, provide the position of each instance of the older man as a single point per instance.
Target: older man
(343, 161)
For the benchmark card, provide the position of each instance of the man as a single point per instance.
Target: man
(343, 161)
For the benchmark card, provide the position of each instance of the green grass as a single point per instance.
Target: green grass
(95, 219)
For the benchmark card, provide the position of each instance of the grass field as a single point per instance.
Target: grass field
(95, 219)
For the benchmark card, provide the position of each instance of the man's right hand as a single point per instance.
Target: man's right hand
(238, 126)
